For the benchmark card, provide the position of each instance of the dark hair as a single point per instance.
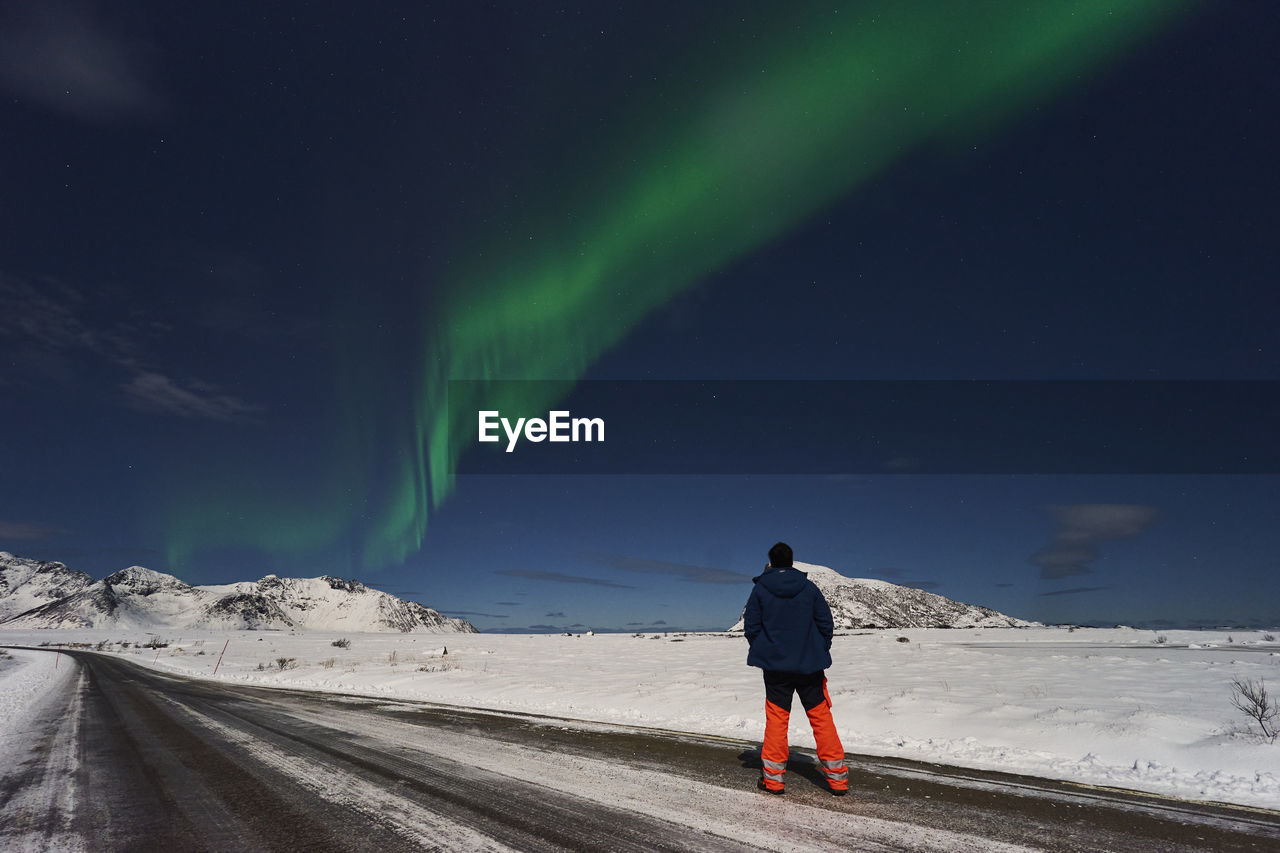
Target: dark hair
(780, 555)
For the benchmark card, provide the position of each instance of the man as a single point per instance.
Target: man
(788, 624)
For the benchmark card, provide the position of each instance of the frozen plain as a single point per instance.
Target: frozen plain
(1108, 707)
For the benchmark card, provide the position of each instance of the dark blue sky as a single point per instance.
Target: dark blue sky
(221, 231)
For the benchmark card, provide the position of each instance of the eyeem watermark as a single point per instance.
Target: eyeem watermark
(558, 426)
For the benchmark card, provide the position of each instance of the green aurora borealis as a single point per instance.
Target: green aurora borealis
(760, 144)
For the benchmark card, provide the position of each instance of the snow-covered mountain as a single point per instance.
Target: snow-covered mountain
(323, 602)
(866, 603)
(130, 598)
(25, 584)
(138, 598)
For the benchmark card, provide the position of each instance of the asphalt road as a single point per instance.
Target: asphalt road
(131, 759)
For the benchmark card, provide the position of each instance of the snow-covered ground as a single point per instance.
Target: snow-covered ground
(28, 681)
(1107, 707)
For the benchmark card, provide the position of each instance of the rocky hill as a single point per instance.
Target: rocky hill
(25, 584)
(866, 603)
(323, 602)
(139, 598)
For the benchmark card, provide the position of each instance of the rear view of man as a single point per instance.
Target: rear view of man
(788, 624)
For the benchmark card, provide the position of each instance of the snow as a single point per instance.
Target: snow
(859, 603)
(32, 701)
(138, 599)
(657, 794)
(1103, 707)
(26, 681)
(25, 584)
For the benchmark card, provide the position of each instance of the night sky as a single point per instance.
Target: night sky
(244, 251)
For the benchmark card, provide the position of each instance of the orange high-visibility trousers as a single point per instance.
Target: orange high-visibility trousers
(812, 687)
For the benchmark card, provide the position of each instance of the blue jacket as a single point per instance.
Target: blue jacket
(788, 623)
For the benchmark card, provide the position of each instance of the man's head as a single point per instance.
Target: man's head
(780, 556)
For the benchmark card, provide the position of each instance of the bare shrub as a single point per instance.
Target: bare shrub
(1160, 639)
(1268, 638)
(286, 663)
(328, 663)
(1252, 700)
(343, 643)
(436, 667)
(391, 658)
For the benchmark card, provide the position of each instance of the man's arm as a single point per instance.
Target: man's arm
(751, 617)
(822, 618)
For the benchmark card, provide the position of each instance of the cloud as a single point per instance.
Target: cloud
(508, 603)
(47, 330)
(684, 571)
(59, 58)
(42, 333)
(1090, 523)
(47, 314)
(1076, 590)
(659, 622)
(559, 577)
(47, 327)
(1082, 528)
(556, 615)
(158, 393)
(26, 530)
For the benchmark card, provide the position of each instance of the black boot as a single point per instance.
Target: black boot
(760, 784)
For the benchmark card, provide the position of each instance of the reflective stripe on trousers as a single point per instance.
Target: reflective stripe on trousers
(830, 750)
(774, 751)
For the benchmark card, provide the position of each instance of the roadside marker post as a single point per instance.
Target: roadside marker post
(224, 651)
(58, 659)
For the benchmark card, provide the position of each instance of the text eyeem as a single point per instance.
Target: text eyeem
(558, 426)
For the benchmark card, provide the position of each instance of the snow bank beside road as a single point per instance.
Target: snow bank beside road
(1106, 707)
(27, 680)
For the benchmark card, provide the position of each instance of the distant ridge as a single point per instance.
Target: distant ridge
(25, 583)
(866, 603)
(48, 595)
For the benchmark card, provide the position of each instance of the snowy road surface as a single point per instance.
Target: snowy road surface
(119, 757)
